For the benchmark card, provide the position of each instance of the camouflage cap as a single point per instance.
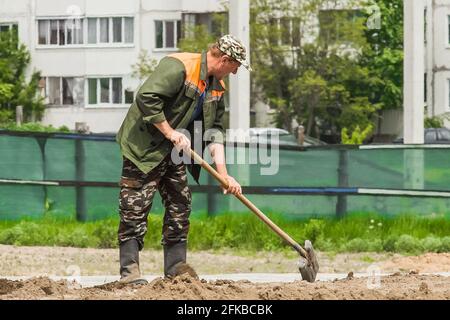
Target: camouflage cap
(234, 48)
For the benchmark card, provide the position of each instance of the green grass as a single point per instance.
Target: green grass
(242, 232)
(32, 127)
(368, 259)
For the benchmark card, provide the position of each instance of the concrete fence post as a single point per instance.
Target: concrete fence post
(19, 115)
(341, 205)
(80, 170)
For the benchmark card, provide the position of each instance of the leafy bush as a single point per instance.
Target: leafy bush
(435, 121)
(389, 243)
(375, 245)
(24, 234)
(77, 238)
(445, 244)
(408, 244)
(362, 245)
(33, 127)
(5, 115)
(314, 229)
(107, 235)
(357, 245)
(357, 136)
(324, 244)
(432, 244)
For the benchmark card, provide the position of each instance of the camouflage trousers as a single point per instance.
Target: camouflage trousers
(137, 190)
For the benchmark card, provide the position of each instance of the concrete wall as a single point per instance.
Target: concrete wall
(391, 122)
(98, 119)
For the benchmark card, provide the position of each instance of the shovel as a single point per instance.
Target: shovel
(308, 264)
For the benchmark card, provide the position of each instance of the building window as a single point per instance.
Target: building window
(105, 90)
(78, 30)
(92, 89)
(110, 30)
(339, 26)
(216, 23)
(116, 90)
(289, 30)
(128, 30)
(54, 91)
(43, 32)
(167, 33)
(54, 32)
(425, 93)
(99, 30)
(104, 30)
(425, 25)
(129, 96)
(60, 32)
(71, 91)
(92, 30)
(285, 24)
(65, 90)
(449, 29)
(117, 29)
(7, 27)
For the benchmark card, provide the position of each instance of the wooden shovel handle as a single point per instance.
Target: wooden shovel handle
(249, 204)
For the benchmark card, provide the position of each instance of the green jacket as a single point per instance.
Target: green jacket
(170, 93)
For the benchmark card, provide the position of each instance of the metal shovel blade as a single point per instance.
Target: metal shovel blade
(309, 267)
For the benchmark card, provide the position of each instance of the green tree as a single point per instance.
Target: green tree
(383, 55)
(144, 66)
(14, 88)
(436, 121)
(313, 77)
(357, 136)
(197, 38)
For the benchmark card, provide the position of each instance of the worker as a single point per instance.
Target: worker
(185, 89)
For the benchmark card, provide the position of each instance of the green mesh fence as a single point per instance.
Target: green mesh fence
(60, 160)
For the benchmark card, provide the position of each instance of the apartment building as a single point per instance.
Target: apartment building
(437, 57)
(85, 50)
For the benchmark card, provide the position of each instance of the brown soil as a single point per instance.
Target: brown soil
(34, 288)
(397, 286)
(427, 263)
(408, 282)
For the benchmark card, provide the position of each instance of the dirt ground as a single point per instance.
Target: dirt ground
(396, 286)
(406, 279)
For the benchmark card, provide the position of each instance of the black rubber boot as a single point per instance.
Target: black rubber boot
(129, 263)
(175, 261)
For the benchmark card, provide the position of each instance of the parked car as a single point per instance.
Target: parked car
(433, 136)
(285, 137)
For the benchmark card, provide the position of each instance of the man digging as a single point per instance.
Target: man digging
(184, 88)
